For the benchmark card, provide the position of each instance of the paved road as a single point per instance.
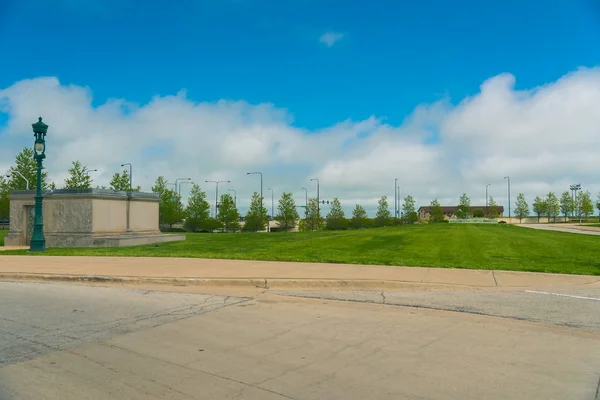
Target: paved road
(78, 342)
(576, 307)
(581, 229)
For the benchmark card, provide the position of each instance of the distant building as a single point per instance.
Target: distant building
(450, 211)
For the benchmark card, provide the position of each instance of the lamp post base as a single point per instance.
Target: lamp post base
(37, 245)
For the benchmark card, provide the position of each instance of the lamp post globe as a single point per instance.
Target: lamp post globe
(38, 241)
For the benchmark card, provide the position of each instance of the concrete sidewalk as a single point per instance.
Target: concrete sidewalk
(268, 274)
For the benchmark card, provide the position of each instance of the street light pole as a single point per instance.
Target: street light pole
(217, 194)
(177, 184)
(574, 188)
(130, 175)
(87, 171)
(508, 178)
(272, 203)
(182, 184)
(318, 195)
(261, 182)
(38, 241)
(486, 199)
(395, 198)
(234, 197)
(21, 175)
(305, 202)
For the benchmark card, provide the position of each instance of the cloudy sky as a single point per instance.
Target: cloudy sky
(445, 99)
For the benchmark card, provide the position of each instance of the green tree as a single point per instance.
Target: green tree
(463, 211)
(313, 220)
(336, 219)
(25, 166)
(583, 205)
(409, 214)
(287, 213)
(359, 217)
(120, 182)
(566, 204)
(539, 207)
(257, 215)
(78, 177)
(552, 206)
(383, 217)
(436, 214)
(228, 214)
(170, 208)
(493, 209)
(521, 207)
(197, 212)
(4, 202)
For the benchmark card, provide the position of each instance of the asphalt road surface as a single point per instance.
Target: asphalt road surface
(67, 342)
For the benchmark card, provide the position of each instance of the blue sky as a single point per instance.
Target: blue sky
(434, 93)
(393, 55)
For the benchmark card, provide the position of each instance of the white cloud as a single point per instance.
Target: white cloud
(331, 38)
(544, 139)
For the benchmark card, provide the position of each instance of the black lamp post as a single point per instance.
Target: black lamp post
(38, 241)
(217, 195)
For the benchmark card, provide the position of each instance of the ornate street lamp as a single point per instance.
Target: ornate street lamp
(38, 241)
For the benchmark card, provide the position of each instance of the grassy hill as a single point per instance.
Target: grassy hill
(441, 245)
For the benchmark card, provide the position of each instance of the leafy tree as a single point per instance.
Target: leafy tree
(478, 213)
(463, 210)
(552, 206)
(383, 215)
(78, 177)
(436, 214)
(120, 181)
(409, 214)
(539, 207)
(493, 210)
(359, 217)
(170, 208)
(4, 202)
(197, 212)
(287, 213)
(257, 217)
(313, 220)
(336, 219)
(584, 205)
(25, 165)
(521, 207)
(566, 204)
(228, 214)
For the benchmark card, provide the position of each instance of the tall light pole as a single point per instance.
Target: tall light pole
(87, 171)
(261, 182)
(182, 184)
(318, 195)
(234, 197)
(177, 184)
(508, 179)
(21, 175)
(574, 188)
(38, 241)
(305, 201)
(395, 198)
(217, 194)
(272, 203)
(130, 175)
(486, 199)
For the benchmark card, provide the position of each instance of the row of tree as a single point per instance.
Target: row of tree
(580, 206)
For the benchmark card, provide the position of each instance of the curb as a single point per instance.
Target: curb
(257, 283)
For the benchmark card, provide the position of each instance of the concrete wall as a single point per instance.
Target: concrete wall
(74, 218)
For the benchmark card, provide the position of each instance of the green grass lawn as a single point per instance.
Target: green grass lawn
(462, 246)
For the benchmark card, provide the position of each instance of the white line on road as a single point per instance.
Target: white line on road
(564, 295)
